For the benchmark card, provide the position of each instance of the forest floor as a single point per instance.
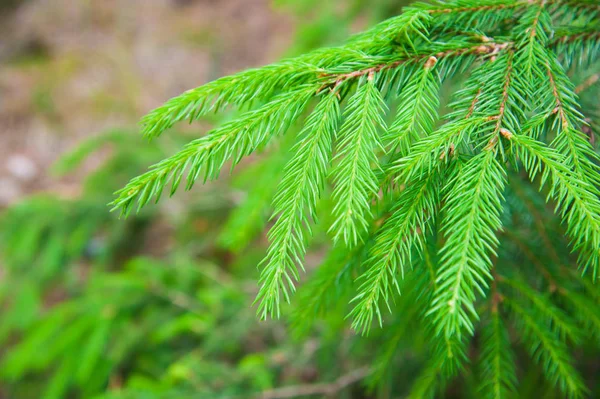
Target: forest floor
(71, 70)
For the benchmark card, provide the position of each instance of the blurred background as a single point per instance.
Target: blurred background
(158, 305)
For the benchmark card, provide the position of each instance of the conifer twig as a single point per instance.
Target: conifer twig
(586, 84)
(322, 389)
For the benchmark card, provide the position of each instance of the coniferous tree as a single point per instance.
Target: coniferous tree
(430, 206)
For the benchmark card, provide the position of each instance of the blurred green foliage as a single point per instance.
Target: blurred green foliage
(159, 305)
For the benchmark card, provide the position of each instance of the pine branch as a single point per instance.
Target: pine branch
(516, 106)
(234, 140)
(546, 348)
(417, 109)
(458, 7)
(354, 178)
(532, 34)
(452, 54)
(498, 378)
(474, 202)
(401, 235)
(560, 322)
(570, 141)
(296, 200)
(577, 46)
(323, 389)
(576, 202)
(427, 153)
(240, 89)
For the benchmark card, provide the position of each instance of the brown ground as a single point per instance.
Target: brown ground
(72, 69)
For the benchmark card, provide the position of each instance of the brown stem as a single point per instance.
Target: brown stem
(495, 293)
(430, 61)
(559, 106)
(538, 222)
(504, 101)
(536, 21)
(589, 82)
(577, 36)
(322, 389)
(474, 103)
(537, 263)
(478, 8)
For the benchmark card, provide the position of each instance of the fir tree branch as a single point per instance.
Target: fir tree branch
(234, 139)
(474, 202)
(589, 82)
(251, 85)
(546, 348)
(426, 154)
(488, 5)
(588, 5)
(417, 109)
(354, 177)
(578, 206)
(335, 79)
(322, 389)
(577, 46)
(295, 201)
(560, 322)
(400, 235)
(532, 33)
(516, 95)
(502, 110)
(570, 141)
(498, 377)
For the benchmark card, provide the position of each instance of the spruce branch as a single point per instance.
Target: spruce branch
(295, 202)
(498, 377)
(428, 152)
(570, 141)
(532, 33)
(401, 235)
(455, 53)
(577, 46)
(547, 348)
(233, 140)
(483, 6)
(427, 192)
(576, 201)
(240, 89)
(565, 327)
(417, 109)
(473, 205)
(354, 176)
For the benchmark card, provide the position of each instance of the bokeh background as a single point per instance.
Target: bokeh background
(158, 305)
(74, 69)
